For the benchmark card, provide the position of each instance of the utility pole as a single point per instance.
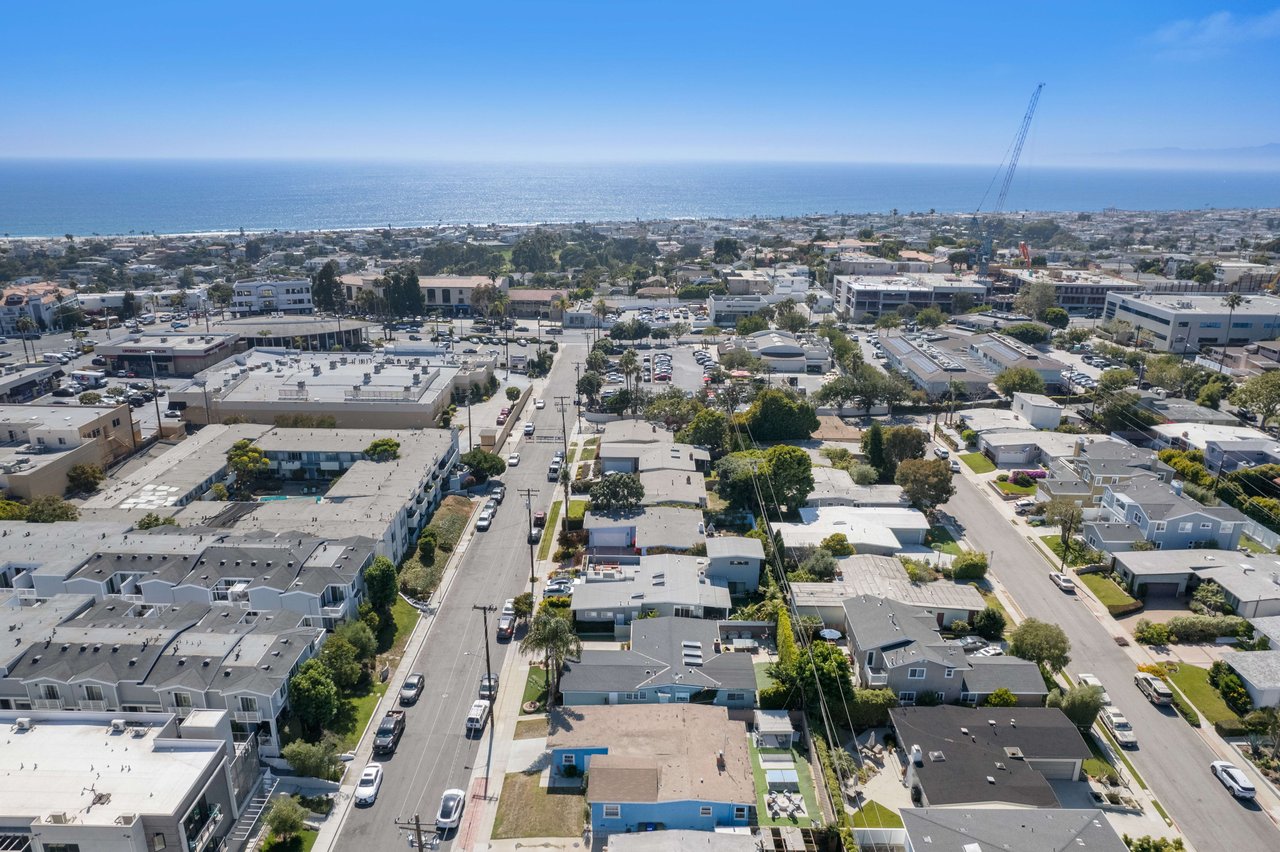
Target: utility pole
(577, 368)
(414, 825)
(527, 494)
(484, 613)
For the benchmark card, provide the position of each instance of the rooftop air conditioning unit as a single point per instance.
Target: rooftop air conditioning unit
(23, 724)
(118, 726)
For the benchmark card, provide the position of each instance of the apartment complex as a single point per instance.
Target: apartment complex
(862, 295)
(1075, 291)
(1189, 324)
(39, 444)
(41, 302)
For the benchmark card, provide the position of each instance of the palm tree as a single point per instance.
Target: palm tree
(1232, 301)
(630, 366)
(554, 638)
(25, 326)
(601, 310)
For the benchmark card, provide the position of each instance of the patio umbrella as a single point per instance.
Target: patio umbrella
(828, 633)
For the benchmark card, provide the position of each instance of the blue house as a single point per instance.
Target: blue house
(1146, 508)
(656, 766)
(670, 660)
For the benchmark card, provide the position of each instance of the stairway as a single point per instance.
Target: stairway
(243, 829)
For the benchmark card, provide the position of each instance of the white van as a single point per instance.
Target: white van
(478, 716)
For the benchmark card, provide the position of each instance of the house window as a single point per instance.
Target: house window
(182, 699)
(1206, 526)
(1184, 527)
(736, 696)
(915, 674)
(158, 842)
(50, 692)
(248, 704)
(705, 811)
(92, 693)
(1225, 528)
(907, 697)
(739, 812)
(566, 760)
(950, 674)
(968, 698)
(612, 811)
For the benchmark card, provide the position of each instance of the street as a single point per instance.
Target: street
(1171, 756)
(435, 754)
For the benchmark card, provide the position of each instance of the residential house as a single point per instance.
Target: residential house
(1250, 582)
(960, 829)
(885, 577)
(40, 444)
(654, 767)
(639, 530)
(1172, 409)
(1095, 464)
(1146, 508)
(43, 302)
(610, 592)
(1037, 410)
(670, 660)
(737, 560)
(1225, 447)
(964, 756)
(871, 529)
(1260, 672)
(832, 486)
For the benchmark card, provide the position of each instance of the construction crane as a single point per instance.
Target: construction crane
(1015, 151)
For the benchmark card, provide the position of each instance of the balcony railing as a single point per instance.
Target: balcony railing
(48, 704)
(202, 839)
(248, 717)
(877, 677)
(180, 712)
(96, 706)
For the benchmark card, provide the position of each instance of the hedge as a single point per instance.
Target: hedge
(1230, 729)
(1205, 628)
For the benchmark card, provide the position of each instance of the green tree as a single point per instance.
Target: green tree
(523, 605)
(1057, 318)
(1035, 299)
(326, 289)
(360, 636)
(89, 398)
(930, 317)
(380, 583)
(889, 320)
(1027, 332)
(1068, 516)
(1001, 697)
(726, 250)
(313, 697)
(219, 492)
(285, 818)
(708, 428)
(47, 509)
(1147, 843)
(873, 448)
(555, 639)
(313, 760)
(1019, 380)
(970, 565)
(84, 477)
(900, 444)
(1120, 412)
(483, 463)
(837, 544)
(989, 624)
(751, 324)
(1116, 379)
(513, 393)
(248, 462)
(926, 482)
(151, 520)
(1261, 395)
(775, 415)
(383, 449)
(617, 492)
(589, 385)
(1042, 643)
(342, 660)
(790, 472)
(1081, 704)
(821, 565)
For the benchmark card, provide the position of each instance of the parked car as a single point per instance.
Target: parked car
(451, 805)
(1092, 680)
(485, 520)
(955, 466)
(499, 494)
(1119, 727)
(1062, 581)
(411, 690)
(509, 607)
(1233, 779)
(489, 687)
(539, 519)
(369, 784)
(941, 452)
(539, 404)
(1155, 689)
(1023, 506)
(535, 535)
(973, 643)
(992, 651)
(506, 626)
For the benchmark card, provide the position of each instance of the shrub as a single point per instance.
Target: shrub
(1021, 479)
(286, 817)
(1002, 477)
(989, 624)
(1001, 698)
(870, 707)
(958, 627)
(970, 565)
(1206, 628)
(1151, 633)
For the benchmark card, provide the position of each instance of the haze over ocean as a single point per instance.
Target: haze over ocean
(83, 197)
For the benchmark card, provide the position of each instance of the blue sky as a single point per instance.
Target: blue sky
(698, 79)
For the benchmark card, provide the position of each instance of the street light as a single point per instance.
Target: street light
(155, 397)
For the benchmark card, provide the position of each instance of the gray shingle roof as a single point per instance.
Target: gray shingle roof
(1045, 830)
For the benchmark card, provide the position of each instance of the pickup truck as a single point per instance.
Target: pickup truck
(390, 729)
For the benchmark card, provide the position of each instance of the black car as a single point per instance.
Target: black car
(64, 392)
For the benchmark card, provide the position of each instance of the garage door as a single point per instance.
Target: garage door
(1055, 769)
(1160, 590)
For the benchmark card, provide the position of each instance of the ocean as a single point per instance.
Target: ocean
(85, 197)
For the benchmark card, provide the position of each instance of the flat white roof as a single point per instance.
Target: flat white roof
(1198, 434)
(63, 761)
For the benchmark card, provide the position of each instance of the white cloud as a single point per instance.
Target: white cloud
(1214, 34)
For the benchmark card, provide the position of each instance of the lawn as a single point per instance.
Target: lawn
(549, 534)
(763, 681)
(354, 717)
(1020, 490)
(577, 509)
(990, 599)
(529, 810)
(535, 688)
(1081, 554)
(1193, 682)
(406, 618)
(588, 453)
(942, 537)
(573, 454)
(978, 463)
(1251, 545)
(875, 815)
(531, 729)
(1098, 766)
(1107, 591)
(298, 843)
(805, 778)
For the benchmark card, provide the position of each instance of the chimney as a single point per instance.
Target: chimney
(1176, 485)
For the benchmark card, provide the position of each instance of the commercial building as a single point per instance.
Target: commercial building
(135, 782)
(271, 297)
(455, 294)
(23, 382)
(1075, 291)
(861, 263)
(361, 390)
(319, 481)
(39, 444)
(172, 353)
(1190, 324)
(863, 295)
(310, 333)
(532, 303)
(784, 352)
(935, 361)
(725, 311)
(43, 303)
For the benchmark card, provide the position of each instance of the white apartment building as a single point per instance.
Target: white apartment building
(857, 295)
(41, 302)
(271, 297)
(1188, 324)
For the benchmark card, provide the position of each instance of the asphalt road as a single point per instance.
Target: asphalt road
(1171, 757)
(435, 754)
